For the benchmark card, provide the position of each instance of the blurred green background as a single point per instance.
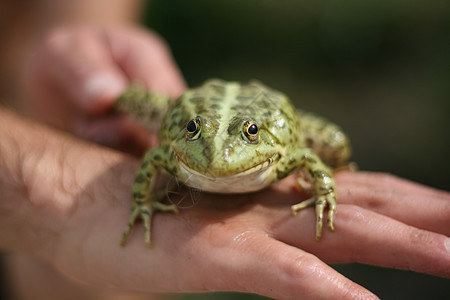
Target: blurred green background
(380, 69)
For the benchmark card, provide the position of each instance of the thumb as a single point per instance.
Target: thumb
(82, 66)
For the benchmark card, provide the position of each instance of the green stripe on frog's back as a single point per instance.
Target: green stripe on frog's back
(216, 110)
(230, 104)
(223, 107)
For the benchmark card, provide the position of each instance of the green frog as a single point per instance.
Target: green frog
(228, 137)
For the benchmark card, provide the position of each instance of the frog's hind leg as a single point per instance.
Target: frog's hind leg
(144, 107)
(326, 139)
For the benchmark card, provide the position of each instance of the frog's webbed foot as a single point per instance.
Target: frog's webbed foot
(321, 186)
(144, 211)
(320, 202)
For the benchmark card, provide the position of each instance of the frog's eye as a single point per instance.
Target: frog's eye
(250, 132)
(193, 129)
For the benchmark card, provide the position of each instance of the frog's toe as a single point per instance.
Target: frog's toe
(166, 207)
(304, 204)
(321, 202)
(331, 213)
(145, 211)
(133, 216)
(146, 214)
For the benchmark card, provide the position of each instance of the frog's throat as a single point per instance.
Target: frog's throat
(249, 180)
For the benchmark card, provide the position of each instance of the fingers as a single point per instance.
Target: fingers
(148, 60)
(283, 272)
(255, 263)
(399, 199)
(78, 61)
(384, 180)
(117, 132)
(94, 65)
(367, 237)
(210, 260)
(78, 73)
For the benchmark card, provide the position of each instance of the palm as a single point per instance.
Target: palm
(243, 242)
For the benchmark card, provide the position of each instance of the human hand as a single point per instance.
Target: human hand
(77, 204)
(77, 73)
(68, 203)
(387, 221)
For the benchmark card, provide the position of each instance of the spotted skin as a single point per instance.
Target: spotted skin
(146, 109)
(145, 201)
(243, 137)
(325, 138)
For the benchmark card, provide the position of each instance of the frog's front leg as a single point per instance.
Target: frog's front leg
(145, 199)
(323, 185)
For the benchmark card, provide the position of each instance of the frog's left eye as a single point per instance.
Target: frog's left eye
(250, 131)
(193, 129)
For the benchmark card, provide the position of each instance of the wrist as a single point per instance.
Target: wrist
(50, 182)
(14, 192)
(24, 180)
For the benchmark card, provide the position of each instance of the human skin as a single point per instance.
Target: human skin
(91, 67)
(254, 230)
(51, 208)
(67, 202)
(25, 23)
(70, 82)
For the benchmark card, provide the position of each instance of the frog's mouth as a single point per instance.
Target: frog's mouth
(249, 180)
(264, 165)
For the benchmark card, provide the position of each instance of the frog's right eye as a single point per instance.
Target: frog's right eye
(193, 129)
(250, 132)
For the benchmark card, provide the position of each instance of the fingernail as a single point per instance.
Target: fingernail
(447, 244)
(101, 87)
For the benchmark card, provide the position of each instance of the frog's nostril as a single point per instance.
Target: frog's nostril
(207, 150)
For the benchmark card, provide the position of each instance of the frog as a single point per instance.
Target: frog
(232, 137)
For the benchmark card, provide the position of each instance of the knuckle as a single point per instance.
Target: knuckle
(155, 38)
(375, 198)
(421, 237)
(386, 178)
(296, 266)
(56, 38)
(63, 37)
